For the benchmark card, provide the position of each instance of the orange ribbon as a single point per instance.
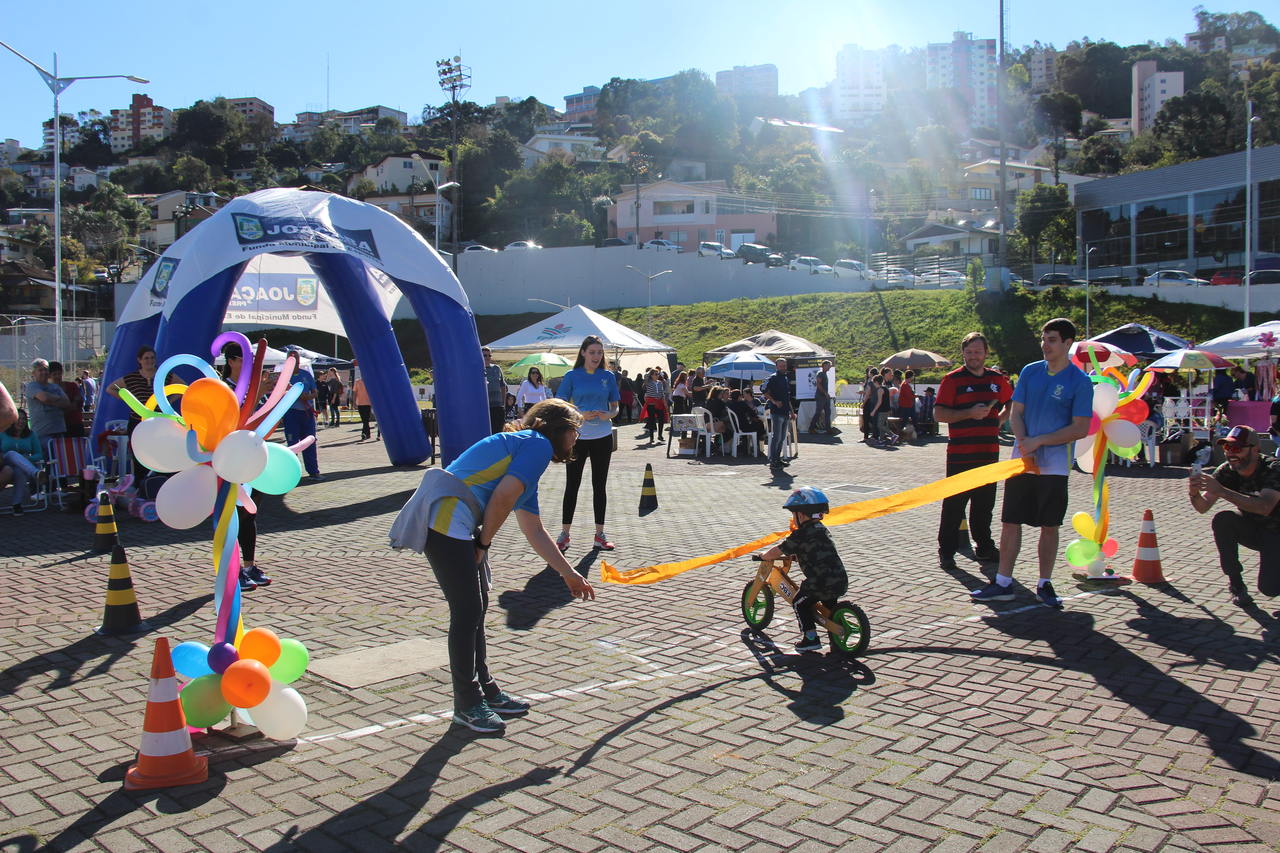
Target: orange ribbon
(860, 511)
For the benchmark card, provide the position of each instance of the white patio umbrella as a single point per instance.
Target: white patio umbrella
(1250, 342)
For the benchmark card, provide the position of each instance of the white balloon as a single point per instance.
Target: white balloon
(1084, 453)
(1105, 399)
(240, 457)
(187, 498)
(282, 715)
(161, 445)
(1123, 433)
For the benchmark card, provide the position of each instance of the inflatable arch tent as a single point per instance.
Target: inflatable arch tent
(358, 252)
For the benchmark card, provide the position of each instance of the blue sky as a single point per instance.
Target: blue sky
(277, 50)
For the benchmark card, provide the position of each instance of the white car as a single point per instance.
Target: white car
(663, 246)
(897, 276)
(520, 245)
(476, 247)
(941, 278)
(849, 268)
(715, 250)
(811, 265)
(1174, 277)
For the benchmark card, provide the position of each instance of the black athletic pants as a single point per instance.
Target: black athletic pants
(1230, 531)
(599, 450)
(454, 563)
(248, 537)
(366, 418)
(981, 503)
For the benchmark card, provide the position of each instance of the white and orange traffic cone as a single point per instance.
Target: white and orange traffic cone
(1146, 564)
(165, 756)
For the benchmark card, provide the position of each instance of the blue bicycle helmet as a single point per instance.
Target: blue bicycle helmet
(808, 500)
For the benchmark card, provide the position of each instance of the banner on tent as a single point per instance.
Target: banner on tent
(296, 296)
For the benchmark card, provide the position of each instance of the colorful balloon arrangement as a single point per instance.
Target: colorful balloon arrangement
(218, 452)
(1118, 408)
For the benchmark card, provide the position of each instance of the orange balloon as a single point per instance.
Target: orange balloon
(246, 683)
(210, 408)
(260, 644)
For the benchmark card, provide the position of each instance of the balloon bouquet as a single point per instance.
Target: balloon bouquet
(1118, 408)
(218, 454)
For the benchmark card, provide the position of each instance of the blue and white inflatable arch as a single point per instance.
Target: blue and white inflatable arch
(354, 249)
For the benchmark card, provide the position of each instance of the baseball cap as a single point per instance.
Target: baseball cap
(1243, 435)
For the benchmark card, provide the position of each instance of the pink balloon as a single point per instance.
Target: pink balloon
(1110, 547)
(1095, 424)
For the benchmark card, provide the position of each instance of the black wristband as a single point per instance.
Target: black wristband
(481, 547)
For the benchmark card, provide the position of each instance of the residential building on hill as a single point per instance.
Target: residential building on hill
(9, 151)
(1152, 88)
(351, 122)
(1204, 42)
(581, 106)
(1042, 68)
(70, 134)
(250, 107)
(395, 172)
(750, 80)
(858, 92)
(689, 213)
(969, 66)
(141, 120)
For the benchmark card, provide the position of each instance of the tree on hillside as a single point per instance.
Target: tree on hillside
(143, 178)
(1100, 155)
(94, 148)
(323, 145)
(210, 130)
(521, 117)
(110, 196)
(487, 164)
(1238, 27)
(1099, 76)
(1058, 114)
(363, 189)
(192, 173)
(566, 229)
(1198, 124)
(1046, 218)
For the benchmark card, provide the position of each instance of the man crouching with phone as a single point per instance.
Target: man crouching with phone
(1250, 481)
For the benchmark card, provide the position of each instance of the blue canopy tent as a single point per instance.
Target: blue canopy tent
(1143, 341)
(356, 251)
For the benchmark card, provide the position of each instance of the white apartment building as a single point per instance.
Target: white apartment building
(1042, 68)
(1151, 89)
(969, 66)
(753, 80)
(351, 123)
(9, 150)
(858, 92)
(70, 134)
(394, 173)
(250, 107)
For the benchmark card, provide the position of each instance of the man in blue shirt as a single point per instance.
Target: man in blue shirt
(300, 421)
(1052, 407)
(777, 396)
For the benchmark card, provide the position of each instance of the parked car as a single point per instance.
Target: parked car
(476, 247)
(811, 265)
(1160, 277)
(614, 241)
(897, 276)
(941, 278)
(521, 245)
(754, 253)
(1264, 277)
(100, 274)
(1060, 279)
(715, 250)
(849, 268)
(1227, 277)
(663, 246)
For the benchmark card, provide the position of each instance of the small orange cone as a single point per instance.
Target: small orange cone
(165, 757)
(105, 534)
(1146, 564)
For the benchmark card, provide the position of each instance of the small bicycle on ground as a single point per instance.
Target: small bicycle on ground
(848, 626)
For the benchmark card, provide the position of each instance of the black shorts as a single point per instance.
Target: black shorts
(1037, 500)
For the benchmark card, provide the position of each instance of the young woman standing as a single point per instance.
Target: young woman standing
(532, 390)
(594, 391)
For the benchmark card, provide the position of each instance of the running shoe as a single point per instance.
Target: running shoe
(809, 644)
(562, 541)
(947, 564)
(258, 576)
(1048, 597)
(480, 718)
(1240, 594)
(247, 584)
(602, 543)
(993, 592)
(987, 555)
(507, 705)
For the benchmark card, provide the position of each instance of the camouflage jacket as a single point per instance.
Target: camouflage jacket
(811, 545)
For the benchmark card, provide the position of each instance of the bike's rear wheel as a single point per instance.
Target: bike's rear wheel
(855, 629)
(757, 611)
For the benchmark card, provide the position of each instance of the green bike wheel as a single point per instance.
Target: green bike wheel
(758, 611)
(855, 633)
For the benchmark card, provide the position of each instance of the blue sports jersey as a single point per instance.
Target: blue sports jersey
(524, 455)
(1050, 401)
(590, 392)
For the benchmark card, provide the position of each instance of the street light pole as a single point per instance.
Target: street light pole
(1087, 288)
(1250, 118)
(648, 311)
(58, 85)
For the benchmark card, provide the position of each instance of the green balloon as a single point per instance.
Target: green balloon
(1127, 452)
(1082, 552)
(282, 473)
(292, 662)
(202, 701)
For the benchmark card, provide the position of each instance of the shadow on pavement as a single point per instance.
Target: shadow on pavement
(375, 822)
(1130, 678)
(825, 680)
(68, 660)
(542, 593)
(120, 802)
(1203, 640)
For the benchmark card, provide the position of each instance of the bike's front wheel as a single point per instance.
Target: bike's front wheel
(854, 629)
(757, 611)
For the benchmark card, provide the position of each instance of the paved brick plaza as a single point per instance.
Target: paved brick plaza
(1140, 718)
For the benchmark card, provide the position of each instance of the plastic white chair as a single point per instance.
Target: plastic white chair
(736, 435)
(706, 432)
(1147, 433)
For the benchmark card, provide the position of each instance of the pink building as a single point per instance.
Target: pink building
(690, 213)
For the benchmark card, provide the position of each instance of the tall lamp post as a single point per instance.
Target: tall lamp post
(1087, 288)
(648, 311)
(58, 85)
(1248, 205)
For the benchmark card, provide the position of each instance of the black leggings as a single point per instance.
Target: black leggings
(366, 418)
(454, 563)
(599, 450)
(248, 537)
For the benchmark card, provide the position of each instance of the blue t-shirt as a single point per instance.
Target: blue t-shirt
(1050, 401)
(308, 384)
(590, 392)
(524, 455)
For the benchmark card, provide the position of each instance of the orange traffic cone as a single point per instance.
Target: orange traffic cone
(1146, 564)
(165, 757)
(121, 616)
(105, 534)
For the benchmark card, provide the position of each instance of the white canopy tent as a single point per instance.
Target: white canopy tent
(1244, 343)
(563, 334)
(773, 344)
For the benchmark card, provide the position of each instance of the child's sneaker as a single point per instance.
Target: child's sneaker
(809, 644)
(480, 718)
(562, 541)
(507, 705)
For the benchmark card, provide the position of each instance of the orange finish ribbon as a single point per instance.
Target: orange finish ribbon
(847, 514)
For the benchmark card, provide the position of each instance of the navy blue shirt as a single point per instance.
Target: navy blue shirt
(777, 387)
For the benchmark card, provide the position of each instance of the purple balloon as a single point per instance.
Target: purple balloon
(221, 656)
